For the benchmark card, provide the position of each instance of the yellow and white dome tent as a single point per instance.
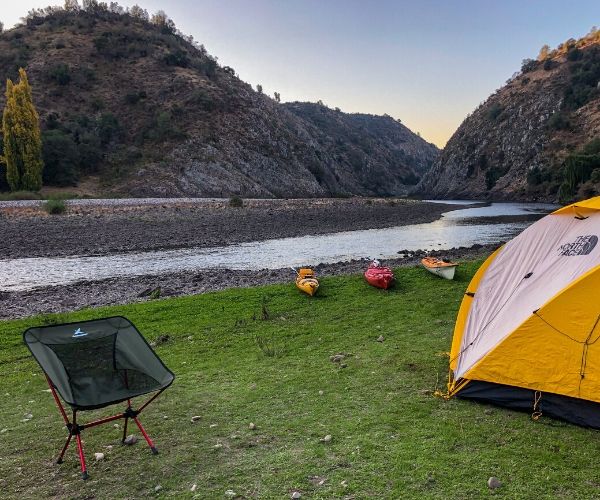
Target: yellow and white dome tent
(527, 334)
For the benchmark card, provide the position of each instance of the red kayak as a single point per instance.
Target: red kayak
(379, 276)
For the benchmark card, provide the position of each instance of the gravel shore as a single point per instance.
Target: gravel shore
(103, 227)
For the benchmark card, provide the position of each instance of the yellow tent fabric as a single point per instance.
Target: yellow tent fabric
(529, 324)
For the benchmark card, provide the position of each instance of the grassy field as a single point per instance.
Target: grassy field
(262, 355)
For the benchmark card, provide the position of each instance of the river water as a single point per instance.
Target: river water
(466, 227)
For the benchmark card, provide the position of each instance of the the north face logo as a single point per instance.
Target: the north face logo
(583, 245)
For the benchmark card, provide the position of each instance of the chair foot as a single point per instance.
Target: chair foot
(154, 450)
(84, 475)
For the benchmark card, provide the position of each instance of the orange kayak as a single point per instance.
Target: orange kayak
(440, 267)
(306, 281)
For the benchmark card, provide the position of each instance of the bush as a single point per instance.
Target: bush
(528, 65)
(495, 111)
(61, 74)
(177, 58)
(549, 64)
(236, 202)
(492, 176)
(55, 206)
(559, 121)
(61, 158)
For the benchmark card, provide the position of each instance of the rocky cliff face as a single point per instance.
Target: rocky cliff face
(520, 142)
(149, 113)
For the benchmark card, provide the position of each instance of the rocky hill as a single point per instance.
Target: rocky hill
(537, 138)
(130, 106)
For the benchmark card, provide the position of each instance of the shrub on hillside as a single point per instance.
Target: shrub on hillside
(236, 201)
(61, 74)
(559, 121)
(55, 206)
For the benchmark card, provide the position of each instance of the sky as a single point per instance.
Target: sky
(427, 62)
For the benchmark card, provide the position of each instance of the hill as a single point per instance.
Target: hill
(131, 106)
(536, 138)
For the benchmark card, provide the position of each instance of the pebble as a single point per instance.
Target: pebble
(343, 365)
(212, 426)
(321, 393)
(131, 439)
(326, 439)
(381, 338)
(157, 488)
(494, 483)
(336, 358)
(99, 456)
(193, 488)
(3, 431)
(230, 493)
(116, 426)
(195, 418)
(165, 417)
(344, 484)
(27, 416)
(252, 426)
(217, 446)
(296, 494)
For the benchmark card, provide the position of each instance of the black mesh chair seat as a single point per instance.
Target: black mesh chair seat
(93, 364)
(97, 363)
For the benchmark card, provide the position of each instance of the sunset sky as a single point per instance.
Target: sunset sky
(426, 62)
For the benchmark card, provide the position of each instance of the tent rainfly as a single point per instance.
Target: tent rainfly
(528, 330)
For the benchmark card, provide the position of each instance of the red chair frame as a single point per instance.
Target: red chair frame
(75, 428)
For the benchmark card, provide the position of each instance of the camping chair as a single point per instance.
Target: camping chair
(93, 364)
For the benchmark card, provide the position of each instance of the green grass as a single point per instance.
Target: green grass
(20, 195)
(391, 437)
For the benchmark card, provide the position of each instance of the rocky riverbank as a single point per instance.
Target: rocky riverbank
(142, 288)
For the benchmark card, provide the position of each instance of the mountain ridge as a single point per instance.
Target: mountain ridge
(149, 112)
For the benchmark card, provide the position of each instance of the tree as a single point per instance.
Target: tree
(544, 52)
(259, 88)
(277, 96)
(163, 21)
(22, 138)
(71, 5)
(137, 12)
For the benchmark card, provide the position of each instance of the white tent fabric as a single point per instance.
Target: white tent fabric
(527, 273)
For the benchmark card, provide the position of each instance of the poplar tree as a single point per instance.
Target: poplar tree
(22, 137)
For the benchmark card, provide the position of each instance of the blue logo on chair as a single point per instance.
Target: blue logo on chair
(78, 333)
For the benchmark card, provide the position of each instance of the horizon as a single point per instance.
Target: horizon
(434, 63)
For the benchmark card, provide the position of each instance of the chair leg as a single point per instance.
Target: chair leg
(146, 437)
(63, 451)
(84, 474)
(125, 430)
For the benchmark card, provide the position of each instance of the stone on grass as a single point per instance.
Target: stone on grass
(157, 488)
(130, 440)
(230, 493)
(27, 416)
(195, 418)
(326, 439)
(344, 484)
(321, 393)
(494, 483)
(336, 358)
(116, 426)
(252, 426)
(296, 494)
(381, 338)
(99, 456)
(193, 488)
